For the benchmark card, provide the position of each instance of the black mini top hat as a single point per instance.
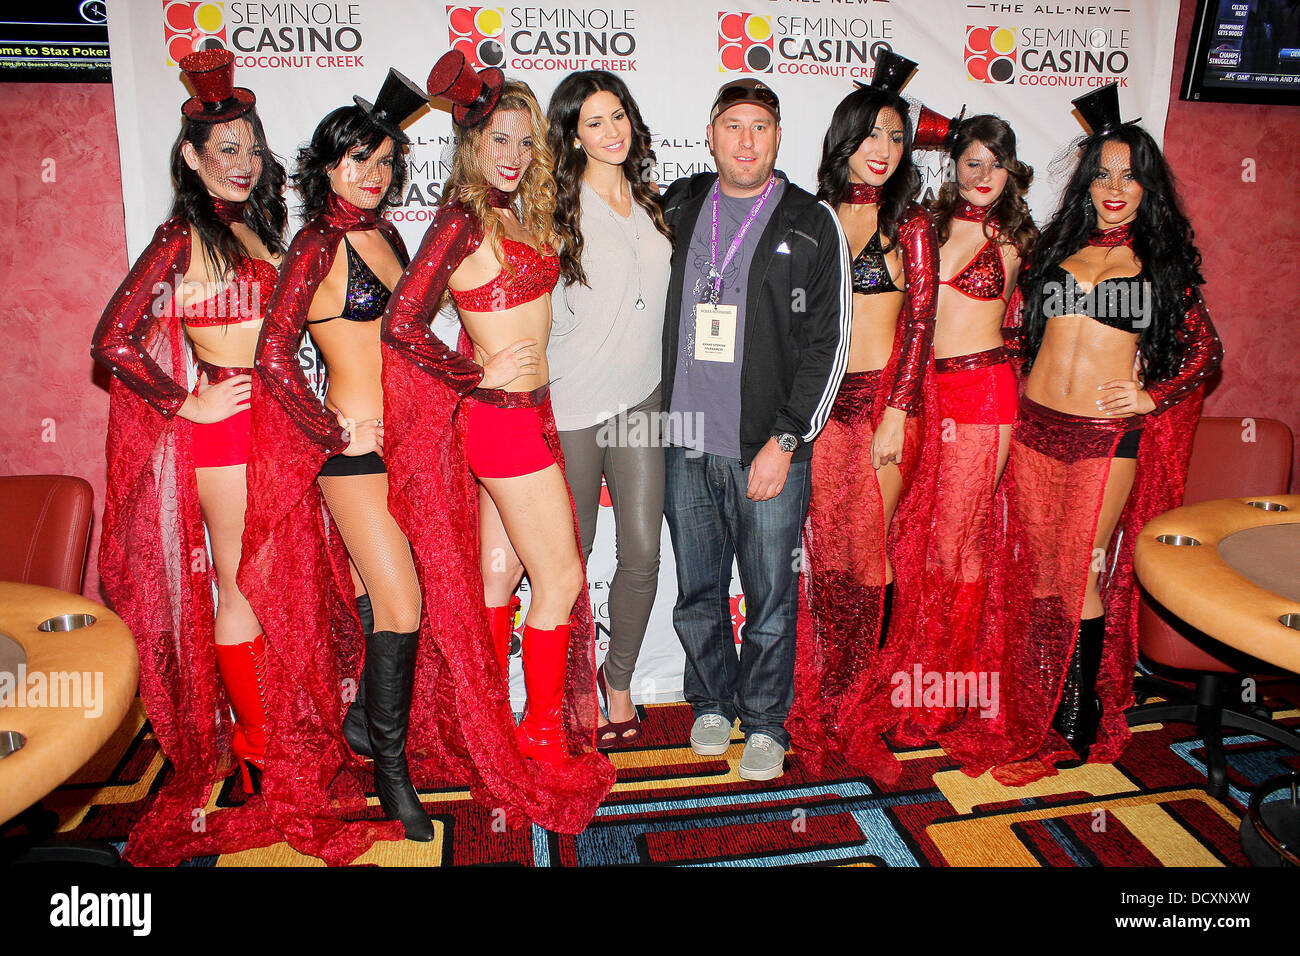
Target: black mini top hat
(1100, 109)
(399, 99)
(891, 71)
(473, 95)
(216, 99)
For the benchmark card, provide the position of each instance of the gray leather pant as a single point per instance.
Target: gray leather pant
(634, 472)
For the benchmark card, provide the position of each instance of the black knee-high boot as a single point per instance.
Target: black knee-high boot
(390, 680)
(354, 722)
(1079, 712)
(887, 611)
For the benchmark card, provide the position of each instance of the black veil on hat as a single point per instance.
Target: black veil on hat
(399, 99)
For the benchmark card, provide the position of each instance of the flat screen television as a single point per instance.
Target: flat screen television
(1244, 51)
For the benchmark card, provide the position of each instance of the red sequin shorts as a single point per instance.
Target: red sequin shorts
(977, 389)
(225, 442)
(504, 433)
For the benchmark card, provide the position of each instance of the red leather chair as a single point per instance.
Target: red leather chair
(1224, 464)
(44, 530)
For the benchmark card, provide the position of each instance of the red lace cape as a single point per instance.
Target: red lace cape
(154, 566)
(434, 498)
(294, 569)
(841, 589)
(1028, 643)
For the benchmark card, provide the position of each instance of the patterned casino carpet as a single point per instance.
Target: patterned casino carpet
(673, 808)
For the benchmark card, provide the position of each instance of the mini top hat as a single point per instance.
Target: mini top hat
(891, 71)
(748, 90)
(216, 98)
(1100, 109)
(936, 131)
(399, 99)
(473, 94)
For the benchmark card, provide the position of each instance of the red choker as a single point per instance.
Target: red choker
(499, 199)
(1115, 236)
(862, 193)
(348, 216)
(969, 212)
(228, 212)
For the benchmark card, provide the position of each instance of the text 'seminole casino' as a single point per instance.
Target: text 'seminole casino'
(267, 35)
(818, 46)
(532, 38)
(1037, 55)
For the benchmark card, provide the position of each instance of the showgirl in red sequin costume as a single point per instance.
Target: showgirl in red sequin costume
(320, 494)
(176, 463)
(985, 230)
(873, 463)
(1116, 344)
(475, 464)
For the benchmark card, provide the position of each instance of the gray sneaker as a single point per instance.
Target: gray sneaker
(710, 735)
(764, 758)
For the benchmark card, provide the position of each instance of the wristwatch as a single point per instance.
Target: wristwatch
(787, 442)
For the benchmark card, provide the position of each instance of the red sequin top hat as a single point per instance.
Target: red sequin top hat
(936, 131)
(473, 94)
(399, 99)
(216, 98)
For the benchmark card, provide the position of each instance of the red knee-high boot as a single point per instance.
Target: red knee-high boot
(546, 657)
(501, 622)
(243, 668)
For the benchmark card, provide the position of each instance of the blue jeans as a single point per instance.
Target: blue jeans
(711, 522)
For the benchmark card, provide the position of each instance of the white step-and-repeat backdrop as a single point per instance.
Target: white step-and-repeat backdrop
(1024, 61)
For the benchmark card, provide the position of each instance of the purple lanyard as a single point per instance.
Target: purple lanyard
(715, 272)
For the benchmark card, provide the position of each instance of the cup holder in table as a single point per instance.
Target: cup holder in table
(1268, 505)
(67, 622)
(1291, 620)
(1178, 540)
(11, 741)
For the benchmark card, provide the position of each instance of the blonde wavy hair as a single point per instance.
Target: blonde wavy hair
(536, 192)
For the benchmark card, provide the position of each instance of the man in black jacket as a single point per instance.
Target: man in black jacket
(756, 340)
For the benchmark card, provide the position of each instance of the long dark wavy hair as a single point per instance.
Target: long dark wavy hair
(1162, 242)
(344, 130)
(265, 213)
(571, 162)
(851, 123)
(1011, 211)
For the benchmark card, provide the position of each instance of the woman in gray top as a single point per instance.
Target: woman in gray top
(604, 352)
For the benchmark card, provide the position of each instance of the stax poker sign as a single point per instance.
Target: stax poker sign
(820, 46)
(531, 38)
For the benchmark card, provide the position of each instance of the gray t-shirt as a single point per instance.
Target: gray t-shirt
(705, 403)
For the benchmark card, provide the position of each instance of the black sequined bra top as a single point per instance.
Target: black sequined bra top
(366, 296)
(1121, 302)
(870, 272)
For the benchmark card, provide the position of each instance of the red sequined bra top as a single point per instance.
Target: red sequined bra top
(534, 275)
(242, 300)
(984, 277)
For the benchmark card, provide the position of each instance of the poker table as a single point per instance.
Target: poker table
(1231, 569)
(68, 674)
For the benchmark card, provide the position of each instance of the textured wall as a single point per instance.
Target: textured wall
(65, 252)
(1249, 236)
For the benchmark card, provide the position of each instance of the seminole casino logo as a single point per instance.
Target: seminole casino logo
(1064, 56)
(479, 33)
(744, 43)
(844, 47)
(190, 27)
(991, 54)
(534, 38)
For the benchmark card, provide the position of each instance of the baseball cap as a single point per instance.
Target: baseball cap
(748, 90)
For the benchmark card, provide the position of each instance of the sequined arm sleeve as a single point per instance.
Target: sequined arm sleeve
(132, 314)
(921, 266)
(1012, 323)
(1203, 353)
(452, 236)
(305, 266)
